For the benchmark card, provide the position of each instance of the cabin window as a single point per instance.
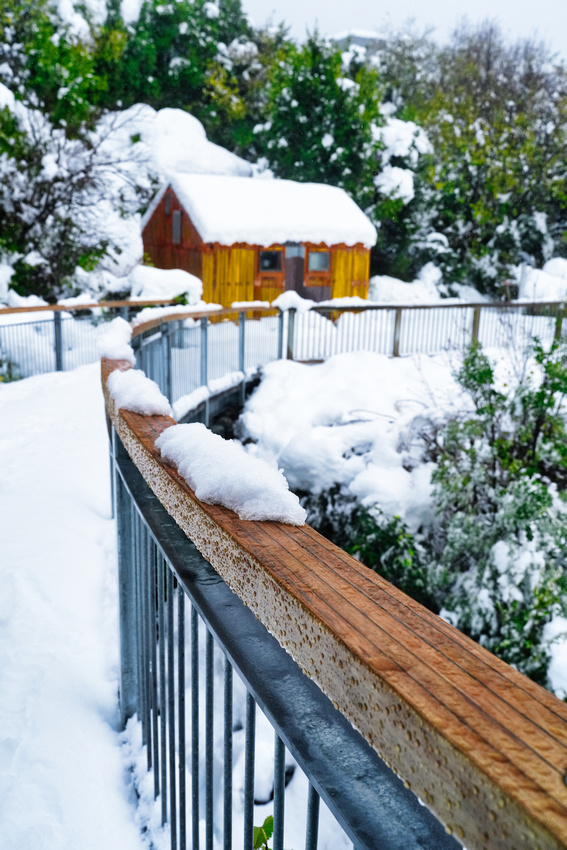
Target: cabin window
(319, 261)
(167, 205)
(271, 261)
(176, 226)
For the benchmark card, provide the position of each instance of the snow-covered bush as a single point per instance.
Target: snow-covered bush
(498, 549)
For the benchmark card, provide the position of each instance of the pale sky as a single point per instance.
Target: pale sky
(546, 18)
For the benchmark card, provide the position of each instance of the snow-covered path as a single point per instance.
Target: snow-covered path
(62, 779)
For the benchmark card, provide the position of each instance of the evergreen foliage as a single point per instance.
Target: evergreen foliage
(320, 119)
(495, 190)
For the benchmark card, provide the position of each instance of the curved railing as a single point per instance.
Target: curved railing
(483, 747)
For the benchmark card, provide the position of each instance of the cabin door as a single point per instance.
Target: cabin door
(295, 267)
(295, 274)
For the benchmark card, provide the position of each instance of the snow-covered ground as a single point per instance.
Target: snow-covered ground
(62, 777)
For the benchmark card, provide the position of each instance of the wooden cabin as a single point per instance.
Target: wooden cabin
(249, 239)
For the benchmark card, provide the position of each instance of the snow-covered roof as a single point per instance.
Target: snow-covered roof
(267, 211)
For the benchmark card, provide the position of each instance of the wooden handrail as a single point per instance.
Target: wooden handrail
(59, 308)
(142, 327)
(481, 745)
(483, 305)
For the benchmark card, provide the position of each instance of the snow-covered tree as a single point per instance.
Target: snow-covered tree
(319, 119)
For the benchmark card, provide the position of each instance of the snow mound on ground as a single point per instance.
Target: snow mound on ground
(542, 285)
(222, 473)
(149, 283)
(427, 288)
(343, 422)
(556, 267)
(115, 344)
(132, 390)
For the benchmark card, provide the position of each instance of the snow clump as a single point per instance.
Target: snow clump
(150, 284)
(222, 473)
(132, 390)
(115, 344)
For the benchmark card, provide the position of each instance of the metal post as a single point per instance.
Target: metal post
(58, 339)
(124, 313)
(126, 605)
(241, 353)
(397, 332)
(312, 831)
(249, 759)
(205, 362)
(279, 792)
(166, 359)
(290, 332)
(559, 322)
(281, 315)
(227, 808)
(475, 325)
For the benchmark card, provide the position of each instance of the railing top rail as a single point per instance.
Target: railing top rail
(72, 308)
(440, 305)
(141, 327)
(483, 746)
(318, 308)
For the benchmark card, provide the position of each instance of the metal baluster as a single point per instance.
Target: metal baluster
(154, 656)
(227, 825)
(181, 715)
(312, 831)
(195, 727)
(139, 643)
(279, 792)
(140, 546)
(209, 739)
(171, 709)
(162, 700)
(148, 641)
(249, 755)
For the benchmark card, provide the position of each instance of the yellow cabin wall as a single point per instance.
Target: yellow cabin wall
(350, 272)
(228, 275)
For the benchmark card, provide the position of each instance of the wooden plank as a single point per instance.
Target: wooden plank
(483, 747)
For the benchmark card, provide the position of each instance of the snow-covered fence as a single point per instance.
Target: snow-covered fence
(418, 328)
(482, 746)
(189, 353)
(54, 339)
(185, 352)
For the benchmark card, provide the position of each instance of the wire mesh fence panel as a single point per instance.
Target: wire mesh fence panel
(222, 349)
(263, 338)
(186, 359)
(80, 337)
(515, 327)
(432, 330)
(26, 348)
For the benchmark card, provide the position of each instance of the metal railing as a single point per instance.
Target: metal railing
(56, 340)
(185, 352)
(190, 646)
(171, 685)
(400, 330)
